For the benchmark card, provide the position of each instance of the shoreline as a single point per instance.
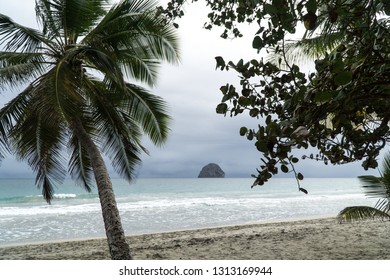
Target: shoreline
(271, 221)
(297, 239)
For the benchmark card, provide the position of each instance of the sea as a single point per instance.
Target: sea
(160, 205)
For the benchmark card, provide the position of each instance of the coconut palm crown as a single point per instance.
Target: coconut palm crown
(76, 95)
(374, 187)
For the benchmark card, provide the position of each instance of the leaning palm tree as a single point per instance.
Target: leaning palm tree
(76, 97)
(374, 187)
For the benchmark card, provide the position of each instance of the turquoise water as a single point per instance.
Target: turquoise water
(156, 205)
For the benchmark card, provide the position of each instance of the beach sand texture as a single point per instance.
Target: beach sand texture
(315, 239)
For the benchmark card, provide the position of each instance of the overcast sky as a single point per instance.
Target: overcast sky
(198, 135)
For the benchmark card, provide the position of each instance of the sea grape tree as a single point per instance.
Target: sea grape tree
(341, 108)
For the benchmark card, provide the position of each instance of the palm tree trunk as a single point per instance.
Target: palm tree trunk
(119, 249)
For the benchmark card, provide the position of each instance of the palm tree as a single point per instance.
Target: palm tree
(375, 187)
(77, 98)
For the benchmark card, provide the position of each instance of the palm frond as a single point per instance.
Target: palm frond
(138, 6)
(80, 167)
(317, 46)
(124, 154)
(119, 11)
(131, 111)
(80, 16)
(35, 137)
(150, 111)
(161, 38)
(47, 18)
(324, 38)
(12, 112)
(386, 173)
(39, 140)
(383, 205)
(131, 33)
(369, 180)
(70, 18)
(104, 63)
(307, 49)
(18, 68)
(63, 86)
(354, 213)
(139, 68)
(18, 38)
(118, 133)
(373, 186)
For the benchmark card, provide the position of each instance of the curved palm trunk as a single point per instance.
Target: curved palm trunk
(119, 249)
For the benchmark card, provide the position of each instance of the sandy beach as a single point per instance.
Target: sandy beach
(313, 239)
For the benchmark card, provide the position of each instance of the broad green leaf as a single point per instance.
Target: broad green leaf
(255, 62)
(243, 130)
(324, 96)
(338, 66)
(254, 112)
(220, 62)
(250, 135)
(262, 146)
(244, 101)
(311, 6)
(303, 190)
(343, 78)
(268, 119)
(257, 43)
(240, 63)
(222, 108)
(386, 7)
(224, 89)
(294, 160)
(270, 9)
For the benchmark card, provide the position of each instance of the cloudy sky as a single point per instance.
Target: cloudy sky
(198, 135)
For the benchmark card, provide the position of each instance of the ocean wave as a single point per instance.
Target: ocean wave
(52, 209)
(21, 199)
(38, 199)
(65, 195)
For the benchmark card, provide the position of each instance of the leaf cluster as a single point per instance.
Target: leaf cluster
(342, 109)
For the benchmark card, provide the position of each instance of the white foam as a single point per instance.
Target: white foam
(49, 210)
(72, 215)
(64, 195)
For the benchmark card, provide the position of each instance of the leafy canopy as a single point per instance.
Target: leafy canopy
(341, 108)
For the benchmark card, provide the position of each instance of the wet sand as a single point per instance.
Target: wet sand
(313, 239)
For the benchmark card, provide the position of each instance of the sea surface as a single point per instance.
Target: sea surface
(157, 205)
